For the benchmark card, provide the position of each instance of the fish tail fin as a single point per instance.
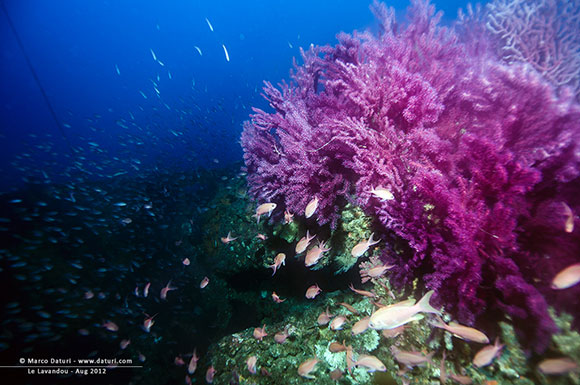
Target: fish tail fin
(498, 344)
(439, 322)
(371, 241)
(424, 304)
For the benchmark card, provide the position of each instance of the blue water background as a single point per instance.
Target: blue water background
(195, 119)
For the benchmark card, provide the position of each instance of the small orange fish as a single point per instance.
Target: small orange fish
(349, 359)
(281, 337)
(146, 289)
(228, 238)
(124, 343)
(148, 323)
(193, 362)
(313, 291)
(374, 272)
(556, 366)
(276, 298)
(338, 322)
(111, 326)
(324, 317)
(486, 355)
(348, 307)
(460, 331)
(363, 246)
(569, 216)
(363, 292)
(311, 207)
(186, 262)
(204, 282)
(382, 193)
(566, 278)
(307, 367)
(279, 260)
(264, 208)
(336, 347)
(304, 242)
(165, 290)
(251, 363)
(259, 334)
(314, 254)
(360, 326)
(372, 363)
(210, 374)
(411, 359)
(261, 237)
(336, 375)
(389, 292)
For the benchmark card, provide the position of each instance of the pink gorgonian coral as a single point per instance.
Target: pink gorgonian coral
(474, 151)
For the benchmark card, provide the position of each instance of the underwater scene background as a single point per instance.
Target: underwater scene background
(305, 192)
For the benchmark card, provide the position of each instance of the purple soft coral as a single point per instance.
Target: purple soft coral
(471, 149)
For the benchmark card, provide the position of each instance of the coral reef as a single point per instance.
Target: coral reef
(469, 148)
(278, 363)
(356, 226)
(541, 33)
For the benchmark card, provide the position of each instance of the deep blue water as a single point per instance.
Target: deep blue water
(123, 111)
